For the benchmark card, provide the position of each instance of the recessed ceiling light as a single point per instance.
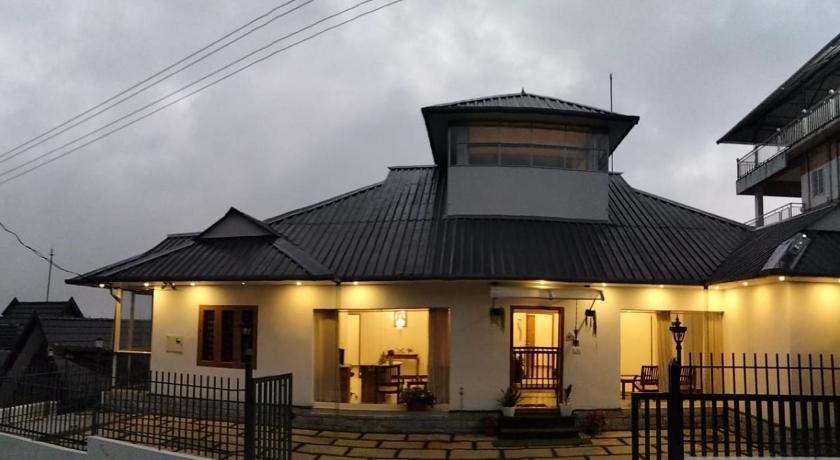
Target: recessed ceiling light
(101, 285)
(355, 283)
(146, 284)
(298, 283)
(782, 278)
(745, 283)
(542, 281)
(603, 284)
(192, 283)
(243, 283)
(661, 286)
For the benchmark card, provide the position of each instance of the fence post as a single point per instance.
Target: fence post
(675, 413)
(250, 419)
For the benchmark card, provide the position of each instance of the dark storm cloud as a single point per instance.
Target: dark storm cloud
(331, 115)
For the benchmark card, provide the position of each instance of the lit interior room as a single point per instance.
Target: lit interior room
(537, 365)
(647, 346)
(381, 354)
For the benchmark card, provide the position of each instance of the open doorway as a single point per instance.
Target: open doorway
(536, 359)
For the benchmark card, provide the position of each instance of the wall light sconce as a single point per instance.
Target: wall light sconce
(400, 319)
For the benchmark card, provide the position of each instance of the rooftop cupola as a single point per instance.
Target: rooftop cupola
(524, 155)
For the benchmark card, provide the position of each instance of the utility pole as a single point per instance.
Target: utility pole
(49, 275)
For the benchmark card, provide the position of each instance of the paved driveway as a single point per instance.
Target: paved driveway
(328, 445)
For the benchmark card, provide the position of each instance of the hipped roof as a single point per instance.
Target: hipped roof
(397, 230)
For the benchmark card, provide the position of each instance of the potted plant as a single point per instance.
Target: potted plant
(508, 400)
(566, 406)
(418, 399)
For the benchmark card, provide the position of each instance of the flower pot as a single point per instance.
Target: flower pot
(565, 410)
(508, 411)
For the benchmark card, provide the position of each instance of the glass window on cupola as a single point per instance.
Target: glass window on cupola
(542, 146)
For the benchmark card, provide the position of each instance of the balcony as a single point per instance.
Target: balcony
(777, 215)
(811, 121)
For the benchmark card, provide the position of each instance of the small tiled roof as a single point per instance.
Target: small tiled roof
(77, 332)
(17, 310)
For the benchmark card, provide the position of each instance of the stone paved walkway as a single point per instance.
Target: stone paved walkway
(328, 445)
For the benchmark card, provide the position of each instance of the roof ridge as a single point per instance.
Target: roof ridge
(322, 203)
(395, 168)
(521, 94)
(708, 214)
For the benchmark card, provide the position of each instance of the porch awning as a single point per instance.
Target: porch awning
(502, 292)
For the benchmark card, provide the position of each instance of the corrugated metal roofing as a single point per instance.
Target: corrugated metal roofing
(521, 100)
(821, 256)
(188, 258)
(807, 85)
(397, 230)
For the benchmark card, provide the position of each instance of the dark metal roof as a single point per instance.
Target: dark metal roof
(191, 257)
(398, 230)
(521, 100)
(77, 332)
(752, 259)
(22, 311)
(520, 107)
(800, 91)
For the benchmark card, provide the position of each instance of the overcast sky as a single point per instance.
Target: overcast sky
(331, 115)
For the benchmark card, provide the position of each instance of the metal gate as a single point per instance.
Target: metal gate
(273, 430)
(774, 406)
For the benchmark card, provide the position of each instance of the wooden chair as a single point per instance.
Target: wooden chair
(688, 379)
(388, 382)
(648, 380)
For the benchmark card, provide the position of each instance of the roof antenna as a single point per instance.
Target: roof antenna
(612, 160)
(611, 107)
(49, 274)
(523, 90)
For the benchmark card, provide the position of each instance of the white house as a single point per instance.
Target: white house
(477, 272)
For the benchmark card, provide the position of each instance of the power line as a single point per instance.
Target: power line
(212, 83)
(56, 131)
(37, 252)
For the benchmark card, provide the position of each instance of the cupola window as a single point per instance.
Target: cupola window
(545, 146)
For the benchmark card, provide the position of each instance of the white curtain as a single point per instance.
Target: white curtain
(665, 347)
(439, 332)
(326, 355)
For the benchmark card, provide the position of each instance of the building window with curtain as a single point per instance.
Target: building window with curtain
(220, 339)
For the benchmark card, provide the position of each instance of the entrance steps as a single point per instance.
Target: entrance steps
(538, 428)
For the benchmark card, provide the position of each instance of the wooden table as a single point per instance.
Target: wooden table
(413, 356)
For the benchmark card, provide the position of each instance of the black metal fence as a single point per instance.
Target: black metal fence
(536, 368)
(198, 415)
(742, 405)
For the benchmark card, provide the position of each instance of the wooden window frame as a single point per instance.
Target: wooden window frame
(217, 336)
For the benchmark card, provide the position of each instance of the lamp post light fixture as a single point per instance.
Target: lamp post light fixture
(678, 330)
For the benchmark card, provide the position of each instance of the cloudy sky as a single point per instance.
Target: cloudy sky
(330, 115)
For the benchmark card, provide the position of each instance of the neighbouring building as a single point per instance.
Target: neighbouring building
(483, 269)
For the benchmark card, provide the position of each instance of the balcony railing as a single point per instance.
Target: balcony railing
(777, 215)
(813, 119)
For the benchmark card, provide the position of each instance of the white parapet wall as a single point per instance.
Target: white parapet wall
(98, 449)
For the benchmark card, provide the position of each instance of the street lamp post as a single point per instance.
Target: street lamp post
(250, 420)
(678, 330)
(675, 403)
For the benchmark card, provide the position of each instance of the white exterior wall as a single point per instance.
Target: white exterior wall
(775, 317)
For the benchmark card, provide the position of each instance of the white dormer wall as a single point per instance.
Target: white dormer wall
(511, 171)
